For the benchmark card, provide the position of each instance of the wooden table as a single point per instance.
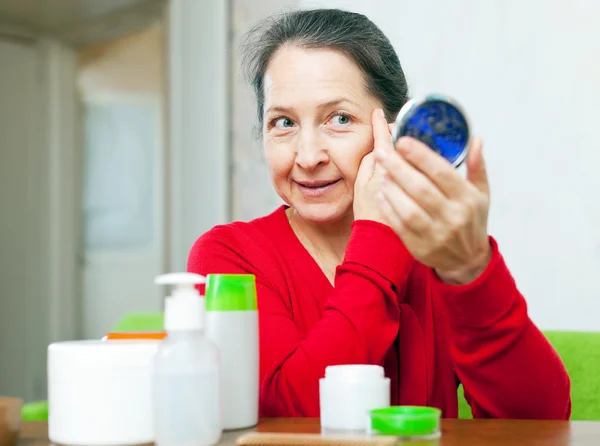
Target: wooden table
(454, 432)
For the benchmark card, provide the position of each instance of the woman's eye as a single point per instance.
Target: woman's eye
(284, 123)
(340, 119)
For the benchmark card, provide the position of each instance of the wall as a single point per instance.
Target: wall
(253, 193)
(132, 64)
(527, 73)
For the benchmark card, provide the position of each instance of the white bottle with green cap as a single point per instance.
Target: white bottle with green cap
(186, 375)
(232, 323)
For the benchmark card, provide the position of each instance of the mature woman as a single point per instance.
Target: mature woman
(381, 254)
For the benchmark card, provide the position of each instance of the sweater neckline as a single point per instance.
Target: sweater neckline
(298, 249)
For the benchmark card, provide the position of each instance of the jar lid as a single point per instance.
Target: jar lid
(405, 421)
(96, 354)
(354, 372)
(437, 121)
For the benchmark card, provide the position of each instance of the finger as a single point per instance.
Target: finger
(412, 216)
(382, 137)
(408, 237)
(436, 168)
(420, 188)
(476, 171)
(389, 215)
(379, 169)
(379, 172)
(366, 169)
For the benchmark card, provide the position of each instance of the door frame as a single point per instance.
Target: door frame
(199, 131)
(62, 134)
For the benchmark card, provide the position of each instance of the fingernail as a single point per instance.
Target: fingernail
(381, 113)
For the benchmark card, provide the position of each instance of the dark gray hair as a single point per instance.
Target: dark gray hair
(352, 34)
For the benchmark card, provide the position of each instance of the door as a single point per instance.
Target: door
(123, 208)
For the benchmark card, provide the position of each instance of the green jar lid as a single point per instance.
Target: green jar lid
(230, 292)
(405, 421)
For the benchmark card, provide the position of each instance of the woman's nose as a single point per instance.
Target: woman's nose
(311, 151)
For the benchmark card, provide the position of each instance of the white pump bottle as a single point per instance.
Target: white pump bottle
(187, 406)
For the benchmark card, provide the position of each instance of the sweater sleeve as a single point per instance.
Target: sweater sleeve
(359, 324)
(507, 367)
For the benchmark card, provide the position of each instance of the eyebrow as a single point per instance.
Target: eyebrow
(328, 104)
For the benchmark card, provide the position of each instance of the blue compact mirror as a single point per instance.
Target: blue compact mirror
(437, 121)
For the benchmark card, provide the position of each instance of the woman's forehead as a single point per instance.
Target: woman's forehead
(320, 76)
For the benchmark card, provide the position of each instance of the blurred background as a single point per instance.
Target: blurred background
(126, 132)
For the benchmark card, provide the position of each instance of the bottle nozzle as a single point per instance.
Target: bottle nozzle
(180, 279)
(184, 307)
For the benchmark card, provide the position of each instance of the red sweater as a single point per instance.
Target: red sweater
(390, 310)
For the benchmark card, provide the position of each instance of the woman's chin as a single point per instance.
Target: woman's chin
(323, 213)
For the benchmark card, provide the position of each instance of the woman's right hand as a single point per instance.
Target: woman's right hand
(370, 174)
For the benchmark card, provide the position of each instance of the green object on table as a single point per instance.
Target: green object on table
(35, 411)
(406, 421)
(140, 322)
(580, 352)
(38, 410)
(464, 410)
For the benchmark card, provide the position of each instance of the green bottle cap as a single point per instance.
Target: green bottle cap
(230, 292)
(406, 421)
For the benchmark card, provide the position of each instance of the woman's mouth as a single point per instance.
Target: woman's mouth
(316, 188)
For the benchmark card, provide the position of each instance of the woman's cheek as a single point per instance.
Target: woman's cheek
(279, 157)
(348, 152)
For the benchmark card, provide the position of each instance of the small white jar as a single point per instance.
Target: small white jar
(348, 393)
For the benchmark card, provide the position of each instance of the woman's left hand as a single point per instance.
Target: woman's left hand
(440, 216)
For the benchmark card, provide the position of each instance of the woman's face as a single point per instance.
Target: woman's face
(317, 128)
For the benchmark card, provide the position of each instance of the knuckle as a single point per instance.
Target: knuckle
(470, 205)
(440, 237)
(483, 201)
(443, 175)
(421, 189)
(428, 252)
(397, 226)
(456, 222)
(456, 227)
(412, 216)
(443, 239)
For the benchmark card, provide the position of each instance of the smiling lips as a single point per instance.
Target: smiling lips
(316, 188)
